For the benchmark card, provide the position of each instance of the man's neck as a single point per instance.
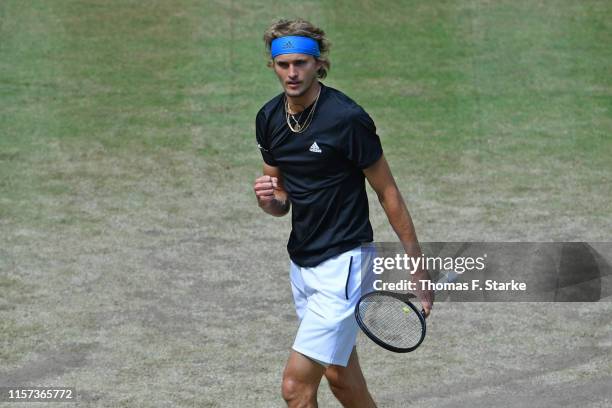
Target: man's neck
(299, 103)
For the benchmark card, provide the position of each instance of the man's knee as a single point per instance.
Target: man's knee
(295, 391)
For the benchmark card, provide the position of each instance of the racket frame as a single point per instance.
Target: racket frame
(403, 297)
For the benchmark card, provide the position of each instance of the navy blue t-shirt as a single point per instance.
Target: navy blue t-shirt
(322, 173)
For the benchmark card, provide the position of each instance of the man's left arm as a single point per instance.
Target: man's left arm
(380, 178)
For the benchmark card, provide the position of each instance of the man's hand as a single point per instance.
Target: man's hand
(271, 196)
(264, 189)
(425, 296)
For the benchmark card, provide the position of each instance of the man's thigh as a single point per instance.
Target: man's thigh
(351, 375)
(303, 370)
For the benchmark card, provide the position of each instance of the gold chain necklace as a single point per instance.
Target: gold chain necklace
(288, 116)
(297, 121)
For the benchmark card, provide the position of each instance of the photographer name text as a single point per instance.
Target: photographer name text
(475, 284)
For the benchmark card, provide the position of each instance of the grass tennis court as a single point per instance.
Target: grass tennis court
(136, 266)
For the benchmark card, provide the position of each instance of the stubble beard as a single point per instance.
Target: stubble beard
(296, 93)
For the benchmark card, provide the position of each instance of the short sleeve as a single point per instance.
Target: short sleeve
(360, 144)
(262, 139)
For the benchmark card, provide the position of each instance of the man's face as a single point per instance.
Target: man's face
(296, 72)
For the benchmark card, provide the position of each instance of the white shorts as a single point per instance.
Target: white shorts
(325, 297)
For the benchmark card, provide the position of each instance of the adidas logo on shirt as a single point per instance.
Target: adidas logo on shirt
(315, 148)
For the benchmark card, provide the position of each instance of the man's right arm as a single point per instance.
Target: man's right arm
(270, 192)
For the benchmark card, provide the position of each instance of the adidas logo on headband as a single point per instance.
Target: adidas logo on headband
(287, 45)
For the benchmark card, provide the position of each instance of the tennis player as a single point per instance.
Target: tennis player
(318, 147)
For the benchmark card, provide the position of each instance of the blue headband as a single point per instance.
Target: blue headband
(294, 45)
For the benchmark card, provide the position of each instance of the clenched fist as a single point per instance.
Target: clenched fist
(264, 189)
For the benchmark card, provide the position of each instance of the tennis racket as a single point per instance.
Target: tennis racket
(391, 320)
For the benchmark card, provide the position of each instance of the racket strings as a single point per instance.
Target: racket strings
(391, 320)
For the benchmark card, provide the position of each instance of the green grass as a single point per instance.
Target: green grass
(127, 154)
(499, 81)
